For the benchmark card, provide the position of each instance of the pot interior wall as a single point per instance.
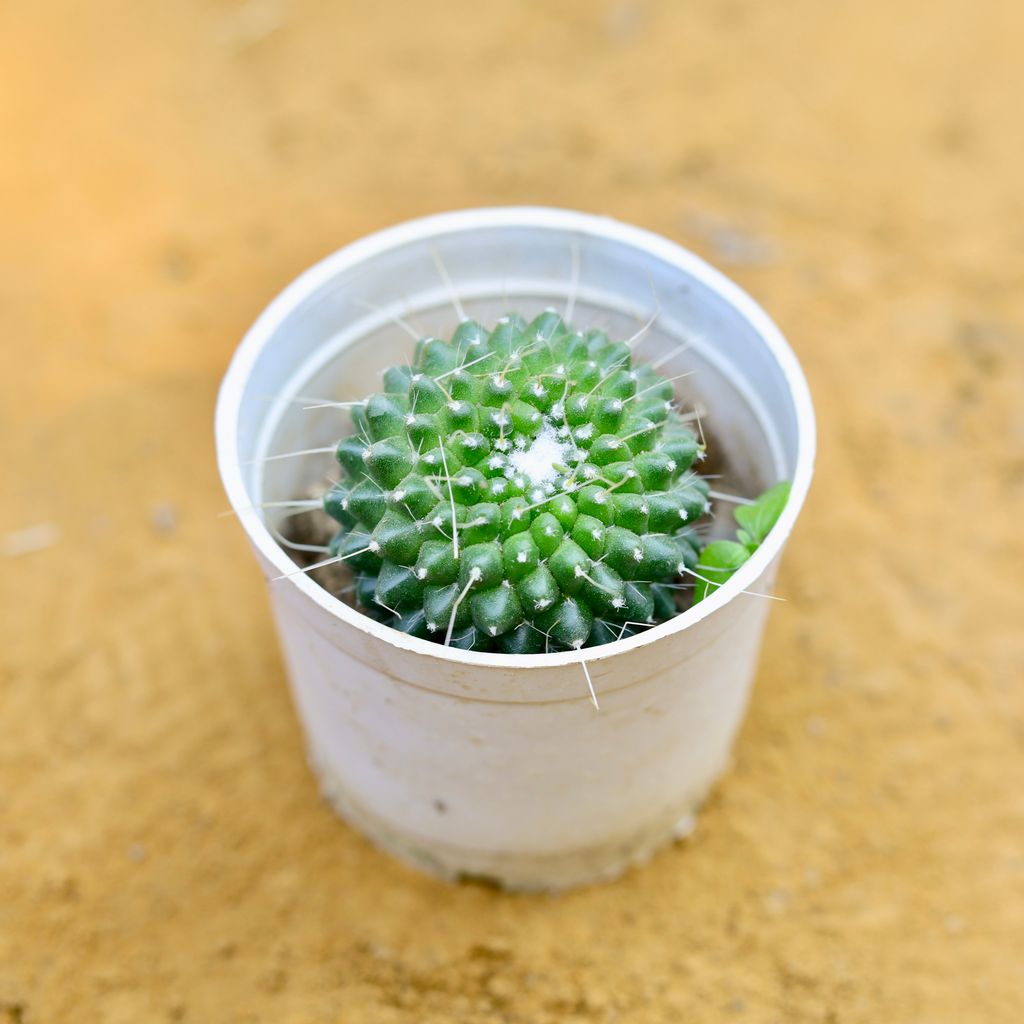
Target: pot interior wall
(334, 338)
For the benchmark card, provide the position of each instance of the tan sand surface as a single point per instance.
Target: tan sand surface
(858, 165)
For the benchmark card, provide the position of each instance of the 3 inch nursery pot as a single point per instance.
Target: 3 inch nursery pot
(499, 766)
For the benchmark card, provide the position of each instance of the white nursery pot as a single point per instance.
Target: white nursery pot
(490, 765)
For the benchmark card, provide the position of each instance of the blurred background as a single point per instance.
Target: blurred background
(166, 168)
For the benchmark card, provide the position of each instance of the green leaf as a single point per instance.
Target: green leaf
(758, 518)
(718, 561)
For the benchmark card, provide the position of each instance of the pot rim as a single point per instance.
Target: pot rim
(230, 397)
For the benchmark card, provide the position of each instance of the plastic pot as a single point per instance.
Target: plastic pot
(498, 766)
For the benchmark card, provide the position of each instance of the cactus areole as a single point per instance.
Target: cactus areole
(520, 490)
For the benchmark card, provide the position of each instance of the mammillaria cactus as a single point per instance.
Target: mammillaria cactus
(524, 489)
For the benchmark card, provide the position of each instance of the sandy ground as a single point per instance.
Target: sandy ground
(164, 169)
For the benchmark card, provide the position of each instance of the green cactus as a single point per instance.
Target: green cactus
(519, 490)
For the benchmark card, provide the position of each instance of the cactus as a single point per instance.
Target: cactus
(519, 490)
